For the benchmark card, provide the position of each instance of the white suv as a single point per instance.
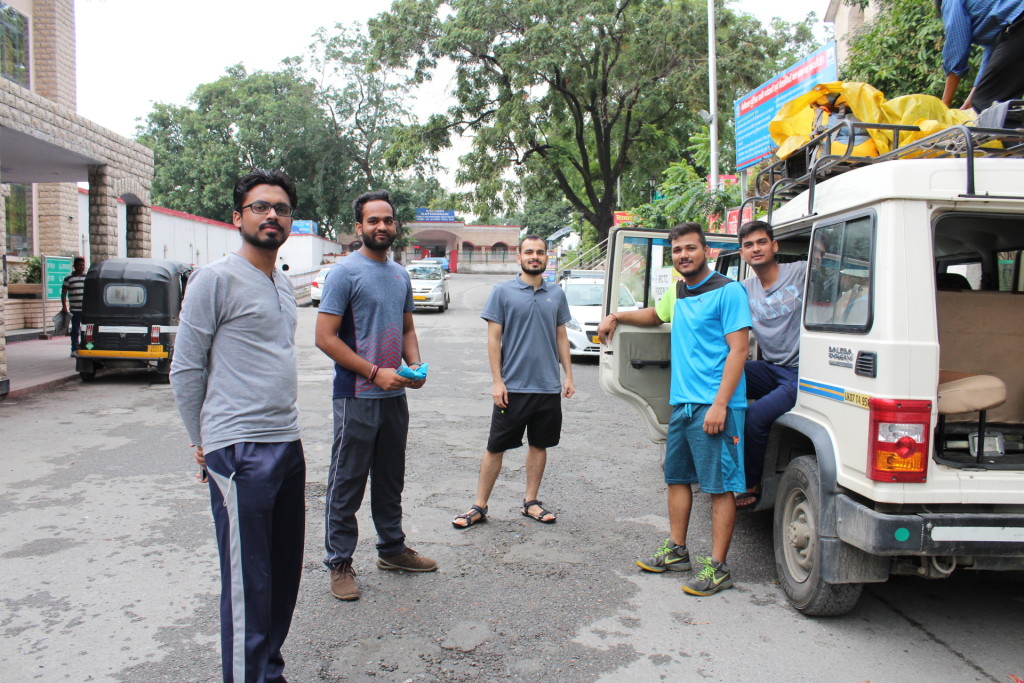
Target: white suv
(904, 453)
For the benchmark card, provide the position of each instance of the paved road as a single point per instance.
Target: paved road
(108, 563)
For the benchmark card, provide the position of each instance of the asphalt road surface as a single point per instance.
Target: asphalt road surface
(109, 571)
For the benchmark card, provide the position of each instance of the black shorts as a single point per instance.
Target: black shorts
(539, 415)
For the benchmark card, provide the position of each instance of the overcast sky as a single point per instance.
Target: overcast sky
(132, 53)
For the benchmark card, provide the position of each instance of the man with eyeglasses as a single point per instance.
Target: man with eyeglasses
(235, 380)
(365, 326)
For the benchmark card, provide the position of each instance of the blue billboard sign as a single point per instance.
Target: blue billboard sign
(755, 110)
(304, 228)
(435, 215)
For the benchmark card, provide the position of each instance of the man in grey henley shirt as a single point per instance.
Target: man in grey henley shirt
(235, 381)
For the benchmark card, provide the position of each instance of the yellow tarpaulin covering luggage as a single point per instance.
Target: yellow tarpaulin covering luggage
(807, 115)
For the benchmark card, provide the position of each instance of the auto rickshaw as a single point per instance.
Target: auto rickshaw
(130, 315)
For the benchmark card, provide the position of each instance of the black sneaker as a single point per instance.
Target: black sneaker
(714, 577)
(668, 558)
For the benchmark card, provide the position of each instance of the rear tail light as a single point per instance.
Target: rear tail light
(316, 285)
(898, 447)
(154, 334)
(88, 331)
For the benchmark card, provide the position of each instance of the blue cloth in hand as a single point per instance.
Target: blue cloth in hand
(419, 373)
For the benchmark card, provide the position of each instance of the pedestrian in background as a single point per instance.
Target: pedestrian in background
(526, 342)
(72, 293)
(710, 340)
(365, 326)
(235, 380)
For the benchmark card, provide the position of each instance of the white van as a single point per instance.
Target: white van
(904, 453)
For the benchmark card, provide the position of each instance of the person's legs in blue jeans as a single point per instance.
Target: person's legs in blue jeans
(773, 389)
(76, 328)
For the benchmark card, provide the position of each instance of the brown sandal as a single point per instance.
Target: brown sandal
(473, 511)
(527, 504)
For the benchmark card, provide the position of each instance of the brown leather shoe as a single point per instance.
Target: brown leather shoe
(410, 561)
(343, 582)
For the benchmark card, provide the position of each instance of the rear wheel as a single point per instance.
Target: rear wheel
(87, 375)
(316, 303)
(797, 548)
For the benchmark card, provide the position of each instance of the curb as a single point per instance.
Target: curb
(36, 388)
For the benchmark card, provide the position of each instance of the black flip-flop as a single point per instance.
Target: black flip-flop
(468, 516)
(751, 496)
(527, 504)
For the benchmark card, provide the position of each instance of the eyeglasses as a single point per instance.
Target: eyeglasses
(262, 208)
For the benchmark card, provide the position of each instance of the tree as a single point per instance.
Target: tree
(579, 96)
(238, 122)
(333, 123)
(900, 51)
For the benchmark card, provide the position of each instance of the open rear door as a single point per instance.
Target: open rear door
(636, 365)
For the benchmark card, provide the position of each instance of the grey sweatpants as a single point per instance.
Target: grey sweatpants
(369, 440)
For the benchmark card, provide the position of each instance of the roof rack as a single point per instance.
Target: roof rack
(811, 164)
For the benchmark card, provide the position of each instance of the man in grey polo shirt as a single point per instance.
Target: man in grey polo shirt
(526, 342)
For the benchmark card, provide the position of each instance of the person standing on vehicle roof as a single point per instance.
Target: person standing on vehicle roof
(72, 293)
(526, 342)
(996, 25)
(710, 340)
(235, 380)
(776, 294)
(365, 326)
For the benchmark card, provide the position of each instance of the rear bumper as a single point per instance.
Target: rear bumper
(139, 355)
(929, 534)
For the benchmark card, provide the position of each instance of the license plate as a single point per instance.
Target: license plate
(419, 298)
(595, 339)
(155, 348)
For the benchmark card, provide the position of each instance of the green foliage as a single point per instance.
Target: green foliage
(583, 96)
(337, 126)
(900, 52)
(31, 272)
(686, 197)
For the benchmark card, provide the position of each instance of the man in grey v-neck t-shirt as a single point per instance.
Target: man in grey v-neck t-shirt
(776, 294)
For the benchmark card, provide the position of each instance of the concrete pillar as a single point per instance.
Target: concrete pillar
(5, 382)
(53, 51)
(139, 231)
(57, 212)
(102, 215)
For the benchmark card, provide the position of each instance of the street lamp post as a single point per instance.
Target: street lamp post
(713, 94)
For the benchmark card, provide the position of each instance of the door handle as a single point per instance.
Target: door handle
(641, 364)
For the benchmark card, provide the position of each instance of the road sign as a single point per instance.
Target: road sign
(57, 268)
(755, 110)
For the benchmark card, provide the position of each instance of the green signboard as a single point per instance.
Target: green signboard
(57, 268)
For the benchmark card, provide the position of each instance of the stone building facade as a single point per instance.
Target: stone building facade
(43, 141)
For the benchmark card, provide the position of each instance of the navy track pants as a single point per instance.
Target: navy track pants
(257, 492)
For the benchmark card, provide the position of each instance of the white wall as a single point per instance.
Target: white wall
(198, 241)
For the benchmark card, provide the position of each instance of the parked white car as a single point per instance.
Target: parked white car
(586, 301)
(429, 286)
(316, 289)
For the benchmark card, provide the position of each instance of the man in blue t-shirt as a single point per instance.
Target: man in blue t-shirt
(997, 26)
(710, 339)
(365, 326)
(526, 342)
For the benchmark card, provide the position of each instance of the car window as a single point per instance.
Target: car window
(626, 299)
(424, 273)
(839, 292)
(583, 294)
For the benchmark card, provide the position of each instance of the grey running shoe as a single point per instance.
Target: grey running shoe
(713, 577)
(343, 582)
(668, 558)
(409, 560)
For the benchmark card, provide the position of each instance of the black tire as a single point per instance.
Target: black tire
(316, 303)
(88, 376)
(796, 532)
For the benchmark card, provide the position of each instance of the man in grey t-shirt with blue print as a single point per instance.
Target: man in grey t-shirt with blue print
(776, 295)
(365, 326)
(526, 342)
